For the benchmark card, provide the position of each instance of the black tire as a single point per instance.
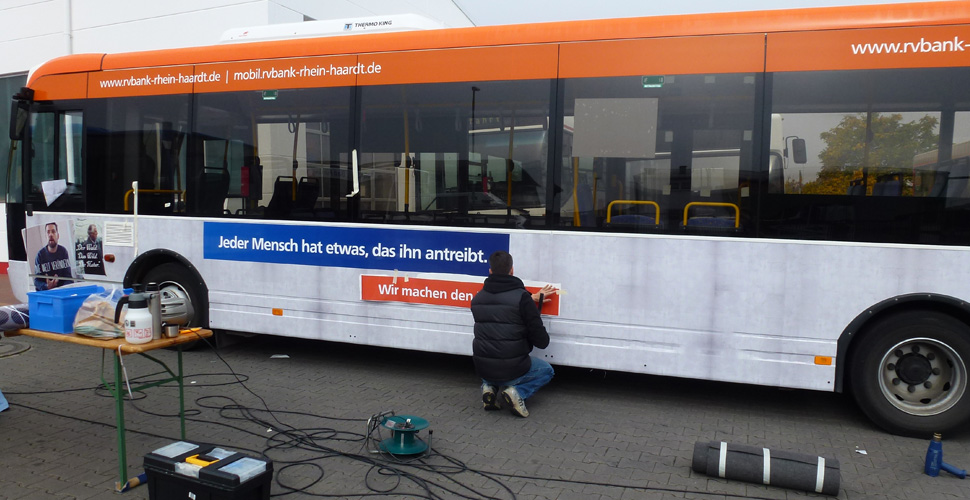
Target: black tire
(908, 373)
(174, 278)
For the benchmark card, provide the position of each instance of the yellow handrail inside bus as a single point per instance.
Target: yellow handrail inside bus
(152, 191)
(737, 210)
(595, 187)
(656, 208)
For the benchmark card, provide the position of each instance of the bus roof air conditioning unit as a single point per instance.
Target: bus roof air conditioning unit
(331, 27)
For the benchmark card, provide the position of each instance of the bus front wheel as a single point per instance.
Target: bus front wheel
(909, 373)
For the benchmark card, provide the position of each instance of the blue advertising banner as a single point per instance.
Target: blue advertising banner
(355, 247)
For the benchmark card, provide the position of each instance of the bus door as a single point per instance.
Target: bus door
(53, 173)
(13, 185)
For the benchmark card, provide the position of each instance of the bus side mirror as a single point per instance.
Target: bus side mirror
(19, 111)
(798, 150)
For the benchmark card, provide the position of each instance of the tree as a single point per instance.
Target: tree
(885, 145)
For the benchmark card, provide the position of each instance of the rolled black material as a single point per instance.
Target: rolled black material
(755, 464)
(13, 317)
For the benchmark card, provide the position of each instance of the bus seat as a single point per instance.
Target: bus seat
(146, 171)
(956, 185)
(939, 182)
(156, 203)
(856, 188)
(633, 221)
(887, 188)
(710, 222)
(213, 191)
(712, 215)
(281, 204)
(255, 180)
(636, 218)
(307, 192)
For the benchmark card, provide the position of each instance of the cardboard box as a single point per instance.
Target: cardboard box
(54, 310)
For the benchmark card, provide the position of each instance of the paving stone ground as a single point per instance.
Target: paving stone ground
(591, 435)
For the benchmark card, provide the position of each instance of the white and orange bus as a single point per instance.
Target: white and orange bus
(743, 197)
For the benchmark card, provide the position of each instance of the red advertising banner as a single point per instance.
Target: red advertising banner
(432, 291)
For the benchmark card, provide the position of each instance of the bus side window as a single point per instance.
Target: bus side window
(634, 155)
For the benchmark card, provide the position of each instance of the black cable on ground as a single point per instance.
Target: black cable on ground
(286, 438)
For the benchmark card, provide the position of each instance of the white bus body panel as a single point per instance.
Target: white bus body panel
(728, 309)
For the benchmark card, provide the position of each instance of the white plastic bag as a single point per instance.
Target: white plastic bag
(96, 317)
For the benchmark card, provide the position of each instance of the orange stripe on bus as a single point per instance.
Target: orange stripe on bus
(754, 22)
(664, 56)
(798, 40)
(77, 63)
(51, 87)
(524, 62)
(918, 47)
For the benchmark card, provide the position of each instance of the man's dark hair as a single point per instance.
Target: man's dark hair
(500, 262)
(50, 224)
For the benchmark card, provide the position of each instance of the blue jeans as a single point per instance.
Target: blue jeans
(538, 375)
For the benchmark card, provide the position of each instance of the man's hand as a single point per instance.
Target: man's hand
(546, 291)
(51, 283)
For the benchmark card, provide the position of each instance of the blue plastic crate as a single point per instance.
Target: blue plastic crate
(54, 310)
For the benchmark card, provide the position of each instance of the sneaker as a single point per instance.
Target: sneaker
(489, 398)
(516, 404)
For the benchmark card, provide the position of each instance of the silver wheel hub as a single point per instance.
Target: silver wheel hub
(922, 376)
(171, 290)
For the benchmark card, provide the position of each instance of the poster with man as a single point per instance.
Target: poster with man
(53, 265)
(89, 248)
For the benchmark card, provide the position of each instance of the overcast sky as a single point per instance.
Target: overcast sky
(490, 12)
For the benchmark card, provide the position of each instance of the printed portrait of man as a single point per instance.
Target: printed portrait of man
(53, 262)
(89, 251)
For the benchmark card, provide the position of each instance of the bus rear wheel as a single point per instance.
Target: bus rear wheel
(909, 373)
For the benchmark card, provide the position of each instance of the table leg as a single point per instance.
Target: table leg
(120, 423)
(181, 394)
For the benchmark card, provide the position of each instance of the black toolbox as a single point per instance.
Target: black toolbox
(184, 470)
